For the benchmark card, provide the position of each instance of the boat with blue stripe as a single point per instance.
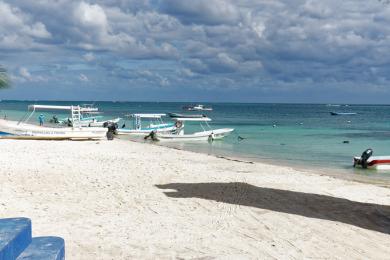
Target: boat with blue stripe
(155, 124)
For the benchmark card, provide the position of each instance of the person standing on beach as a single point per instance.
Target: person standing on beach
(41, 119)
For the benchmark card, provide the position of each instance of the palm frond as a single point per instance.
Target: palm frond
(4, 79)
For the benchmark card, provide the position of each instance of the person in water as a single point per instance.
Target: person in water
(41, 119)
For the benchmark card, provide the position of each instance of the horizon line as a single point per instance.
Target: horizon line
(192, 102)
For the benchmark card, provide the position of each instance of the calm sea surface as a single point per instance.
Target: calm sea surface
(302, 135)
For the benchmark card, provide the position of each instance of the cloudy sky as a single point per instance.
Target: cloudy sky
(202, 50)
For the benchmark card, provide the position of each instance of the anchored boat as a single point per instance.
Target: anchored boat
(367, 161)
(155, 124)
(342, 113)
(197, 108)
(90, 116)
(208, 134)
(176, 115)
(24, 130)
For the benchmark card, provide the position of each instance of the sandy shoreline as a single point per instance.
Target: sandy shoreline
(370, 177)
(124, 200)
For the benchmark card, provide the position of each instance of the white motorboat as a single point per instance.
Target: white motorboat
(24, 130)
(155, 124)
(367, 161)
(207, 133)
(198, 108)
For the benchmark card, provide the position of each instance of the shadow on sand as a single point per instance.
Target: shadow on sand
(364, 215)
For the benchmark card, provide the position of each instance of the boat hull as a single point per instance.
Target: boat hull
(342, 113)
(100, 123)
(200, 109)
(146, 131)
(15, 130)
(176, 115)
(374, 162)
(199, 136)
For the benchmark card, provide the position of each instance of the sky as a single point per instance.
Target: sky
(304, 51)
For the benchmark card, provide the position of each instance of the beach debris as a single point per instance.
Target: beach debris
(234, 160)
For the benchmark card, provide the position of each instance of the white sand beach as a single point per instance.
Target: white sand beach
(127, 200)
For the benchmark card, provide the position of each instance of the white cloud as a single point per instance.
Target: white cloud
(91, 16)
(83, 78)
(24, 75)
(18, 30)
(226, 60)
(38, 30)
(89, 57)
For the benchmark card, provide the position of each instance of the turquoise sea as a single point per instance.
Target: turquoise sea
(300, 135)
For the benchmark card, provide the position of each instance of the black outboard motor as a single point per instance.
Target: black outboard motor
(111, 129)
(365, 155)
(363, 158)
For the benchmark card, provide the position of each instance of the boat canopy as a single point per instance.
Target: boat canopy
(51, 107)
(147, 115)
(193, 119)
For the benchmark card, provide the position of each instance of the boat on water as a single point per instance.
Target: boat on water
(24, 130)
(367, 161)
(90, 117)
(342, 113)
(207, 133)
(177, 115)
(94, 122)
(197, 108)
(155, 123)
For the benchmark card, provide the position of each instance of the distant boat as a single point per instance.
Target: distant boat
(175, 115)
(342, 113)
(197, 108)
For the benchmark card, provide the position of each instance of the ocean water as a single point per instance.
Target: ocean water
(302, 135)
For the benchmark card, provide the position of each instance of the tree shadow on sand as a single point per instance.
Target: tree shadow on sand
(364, 215)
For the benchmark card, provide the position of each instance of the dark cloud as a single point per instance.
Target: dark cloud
(208, 12)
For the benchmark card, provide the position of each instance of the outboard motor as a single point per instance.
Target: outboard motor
(365, 155)
(363, 158)
(111, 129)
